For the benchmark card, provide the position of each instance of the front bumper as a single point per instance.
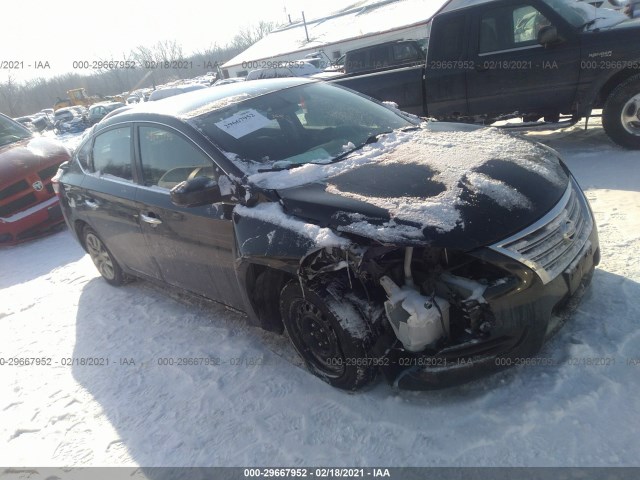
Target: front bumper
(30, 223)
(523, 320)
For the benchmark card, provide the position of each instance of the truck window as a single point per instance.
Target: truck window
(449, 35)
(379, 57)
(510, 27)
(404, 52)
(527, 23)
(356, 61)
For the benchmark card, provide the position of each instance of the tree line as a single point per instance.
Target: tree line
(154, 65)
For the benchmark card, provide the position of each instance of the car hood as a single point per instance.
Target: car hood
(447, 185)
(32, 154)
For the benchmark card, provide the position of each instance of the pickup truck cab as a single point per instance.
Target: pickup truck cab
(490, 59)
(388, 54)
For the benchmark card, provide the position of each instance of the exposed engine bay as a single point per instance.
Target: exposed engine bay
(432, 298)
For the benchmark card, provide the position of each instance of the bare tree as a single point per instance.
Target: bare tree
(29, 97)
(250, 35)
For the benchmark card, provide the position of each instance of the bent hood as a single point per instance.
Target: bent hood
(446, 185)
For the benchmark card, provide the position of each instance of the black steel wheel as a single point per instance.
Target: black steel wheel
(331, 337)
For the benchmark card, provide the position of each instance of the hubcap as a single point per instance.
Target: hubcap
(630, 116)
(318, 338)
(100, 256)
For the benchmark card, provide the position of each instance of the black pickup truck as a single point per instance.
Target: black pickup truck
(493, 59)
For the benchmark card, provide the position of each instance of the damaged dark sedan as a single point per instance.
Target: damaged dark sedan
(431, 252)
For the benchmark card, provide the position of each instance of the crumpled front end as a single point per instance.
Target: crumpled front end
(444, 317)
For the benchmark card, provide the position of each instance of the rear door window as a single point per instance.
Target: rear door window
(112, 154)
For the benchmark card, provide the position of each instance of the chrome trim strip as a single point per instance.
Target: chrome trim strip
(497, 52)
(556, 211)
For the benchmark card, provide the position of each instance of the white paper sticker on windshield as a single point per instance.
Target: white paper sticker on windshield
(243, 123)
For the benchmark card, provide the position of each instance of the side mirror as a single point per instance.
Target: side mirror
(196, 192)
(548, 36)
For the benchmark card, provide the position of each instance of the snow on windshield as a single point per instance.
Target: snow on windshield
(293, 126)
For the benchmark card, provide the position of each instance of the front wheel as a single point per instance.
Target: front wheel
(621, 115)
(331, 336)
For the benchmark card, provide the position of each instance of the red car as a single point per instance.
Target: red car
(28, 204)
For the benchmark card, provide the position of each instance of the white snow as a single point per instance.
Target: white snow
(273, 213)
(260, 408)
(501, 193)
(360, 20)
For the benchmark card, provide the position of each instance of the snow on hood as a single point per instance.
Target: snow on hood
(604, 17)
(451, 152)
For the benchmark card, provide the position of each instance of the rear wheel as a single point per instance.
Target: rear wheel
(331, 337)
(621, 115)
(102, 259)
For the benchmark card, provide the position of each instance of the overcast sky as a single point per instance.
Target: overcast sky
(63, 31)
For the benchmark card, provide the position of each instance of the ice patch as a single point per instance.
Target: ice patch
(501, 193)
(273, 213)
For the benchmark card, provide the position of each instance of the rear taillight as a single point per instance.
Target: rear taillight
(55, 180)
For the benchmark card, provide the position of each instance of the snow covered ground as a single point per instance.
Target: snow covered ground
(259, 407)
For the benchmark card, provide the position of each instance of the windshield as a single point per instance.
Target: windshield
(11, 131)
(311, 123)
(579, 13)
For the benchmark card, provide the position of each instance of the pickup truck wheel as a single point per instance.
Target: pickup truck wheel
(331, 337)
(102, 259)
(621, 116)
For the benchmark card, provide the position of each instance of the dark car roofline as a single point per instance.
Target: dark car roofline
(183, 105)
(391, 42)
(455, 5)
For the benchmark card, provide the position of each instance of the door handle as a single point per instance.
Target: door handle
(91, 204)
(152, 220)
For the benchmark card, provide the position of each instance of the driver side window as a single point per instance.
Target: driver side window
(509, 28)
(168, 158)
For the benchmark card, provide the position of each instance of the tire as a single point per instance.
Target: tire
(330, 336)
(621, 115)
(102, 259)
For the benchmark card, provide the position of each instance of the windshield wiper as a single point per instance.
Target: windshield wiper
(370, 139)
(591, 22)
(280, 168)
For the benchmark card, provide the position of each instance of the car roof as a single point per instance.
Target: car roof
(453, 5)
(208, 99)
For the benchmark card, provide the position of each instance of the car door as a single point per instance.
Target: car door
(512, 71)
(107, 199)
(193, 246)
